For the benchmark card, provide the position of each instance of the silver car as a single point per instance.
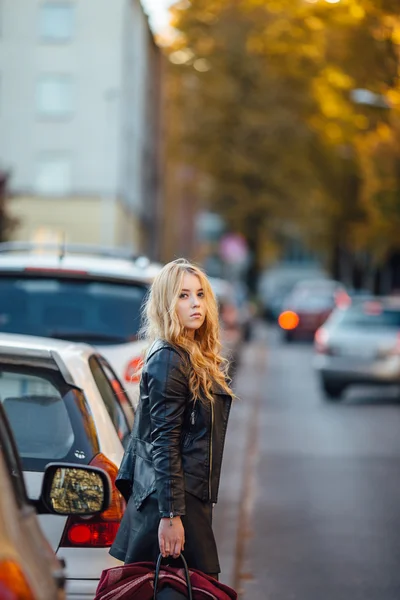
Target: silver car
(28, 567)
(359, 345)
(65, 404)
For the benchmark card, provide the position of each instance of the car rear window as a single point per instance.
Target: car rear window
(370, 314)
(90, 311)
(50, 420)
(312, 301)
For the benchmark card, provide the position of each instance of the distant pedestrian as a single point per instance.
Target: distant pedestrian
(171, 469)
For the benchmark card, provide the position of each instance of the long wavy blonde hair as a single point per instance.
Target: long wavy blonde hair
(161, 321)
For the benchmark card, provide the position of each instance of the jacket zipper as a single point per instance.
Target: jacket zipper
(211, 450)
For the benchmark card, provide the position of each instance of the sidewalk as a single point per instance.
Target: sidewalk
(231, 514)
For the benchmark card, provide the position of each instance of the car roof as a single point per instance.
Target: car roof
(76, 260)
(31, 342)
(60, 353)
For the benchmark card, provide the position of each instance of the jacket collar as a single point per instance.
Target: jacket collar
(217, 388)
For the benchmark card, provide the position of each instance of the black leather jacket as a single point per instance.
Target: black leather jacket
(176, 444)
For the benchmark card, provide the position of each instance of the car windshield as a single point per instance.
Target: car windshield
(370, 314)
(50, 420)
(88, 311)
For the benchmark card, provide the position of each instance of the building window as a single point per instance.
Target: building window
(53, 175)
(56, 21)
(55, 96)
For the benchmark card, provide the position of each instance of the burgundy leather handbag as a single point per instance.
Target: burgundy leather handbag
(146, 581)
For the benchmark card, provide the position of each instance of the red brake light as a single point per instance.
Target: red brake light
(13, 583)
(100, 530)
(92, 535)
(79, 534)
(132, 372)
(288, 320)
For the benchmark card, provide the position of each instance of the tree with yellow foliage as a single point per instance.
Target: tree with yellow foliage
(265, 97)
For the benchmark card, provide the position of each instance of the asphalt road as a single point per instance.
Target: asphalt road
(309, 506)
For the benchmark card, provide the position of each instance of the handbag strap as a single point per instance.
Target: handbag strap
(187, 576)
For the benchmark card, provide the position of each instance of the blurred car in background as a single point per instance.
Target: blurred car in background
(321, 286)
(309, 305)
(29, 569)
(277, 283)
(246, 308)
(78, 293)
(65, 404)
(235, 317)
(359, 345)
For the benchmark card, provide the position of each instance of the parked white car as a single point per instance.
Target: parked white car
(65, 404)
(78, 293)
(29, 568)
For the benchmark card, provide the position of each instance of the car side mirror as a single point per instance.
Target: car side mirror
(70, 489)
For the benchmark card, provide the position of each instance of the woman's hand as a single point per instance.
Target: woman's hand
(171, 538)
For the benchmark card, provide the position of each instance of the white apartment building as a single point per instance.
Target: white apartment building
(80, 94)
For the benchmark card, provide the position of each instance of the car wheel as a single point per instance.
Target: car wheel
(332, 390)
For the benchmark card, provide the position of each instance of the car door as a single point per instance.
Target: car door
(120, 392)
(30, 557)
(114, 397)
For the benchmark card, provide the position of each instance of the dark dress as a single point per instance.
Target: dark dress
(137, 538)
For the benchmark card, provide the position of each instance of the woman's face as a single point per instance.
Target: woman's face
(191, 305)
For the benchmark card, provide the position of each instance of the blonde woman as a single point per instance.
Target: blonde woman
(171, 469)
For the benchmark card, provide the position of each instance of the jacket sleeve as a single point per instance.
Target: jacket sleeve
(168, 393)
(124, 480)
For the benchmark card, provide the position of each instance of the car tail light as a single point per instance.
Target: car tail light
(372, 308)
(288, 320)
(342, 299)
(13, 583)
(100, 530)
(132, 372)
(321, 341)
